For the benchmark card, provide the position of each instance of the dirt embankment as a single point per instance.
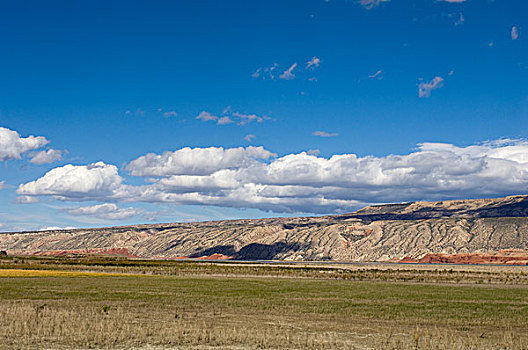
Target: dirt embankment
(506, 257)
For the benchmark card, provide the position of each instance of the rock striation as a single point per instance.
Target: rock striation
(492, 231)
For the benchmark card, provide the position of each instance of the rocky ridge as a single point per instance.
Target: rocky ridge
(460, 231)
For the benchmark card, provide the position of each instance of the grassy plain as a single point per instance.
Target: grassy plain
(69, 303)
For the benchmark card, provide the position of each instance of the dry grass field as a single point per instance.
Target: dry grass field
(76, 303)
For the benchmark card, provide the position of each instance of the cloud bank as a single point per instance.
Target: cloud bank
(253, 177)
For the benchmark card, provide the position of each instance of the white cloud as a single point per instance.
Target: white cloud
(265, 73)
(514, 33)
(9, 227)
(108, 211)
(56, 228)
(12, 146)
(71, 182)
(249, 137)
(378, 75)
(138, 112)
(248, 118)
(313, 63)
(206, 116)
(46, 157)
(26, 200)
(425, 88)
(224, 120)
(288, 73)
(170, 114)
(370, 4)
(313, 152)
(197, 161)
(229, 117)
(251, 178)
(257, 73)
(324, 134)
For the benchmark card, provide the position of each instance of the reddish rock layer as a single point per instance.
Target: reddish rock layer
(204, 257)
(215, 257)
(408, 260)
(509, 257)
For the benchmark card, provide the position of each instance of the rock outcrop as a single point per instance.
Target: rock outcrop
(462, 231)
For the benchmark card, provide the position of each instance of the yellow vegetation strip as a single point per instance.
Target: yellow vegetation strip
(55, 273)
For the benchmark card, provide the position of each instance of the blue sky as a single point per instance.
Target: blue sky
(389, 100)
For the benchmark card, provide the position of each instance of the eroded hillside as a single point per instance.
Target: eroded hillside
(465, 231)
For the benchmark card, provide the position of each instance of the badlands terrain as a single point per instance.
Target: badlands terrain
(461, 231)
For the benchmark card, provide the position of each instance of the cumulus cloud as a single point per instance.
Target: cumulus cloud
(108, 211)
(253, 178)
(197, 161)
(46, 157)
(249, 137)
(13, 146)
(81, 182)
(288, 73)
(370, 4)
(514, 33)
(324, 134)
(313, 63)
(425, 88)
